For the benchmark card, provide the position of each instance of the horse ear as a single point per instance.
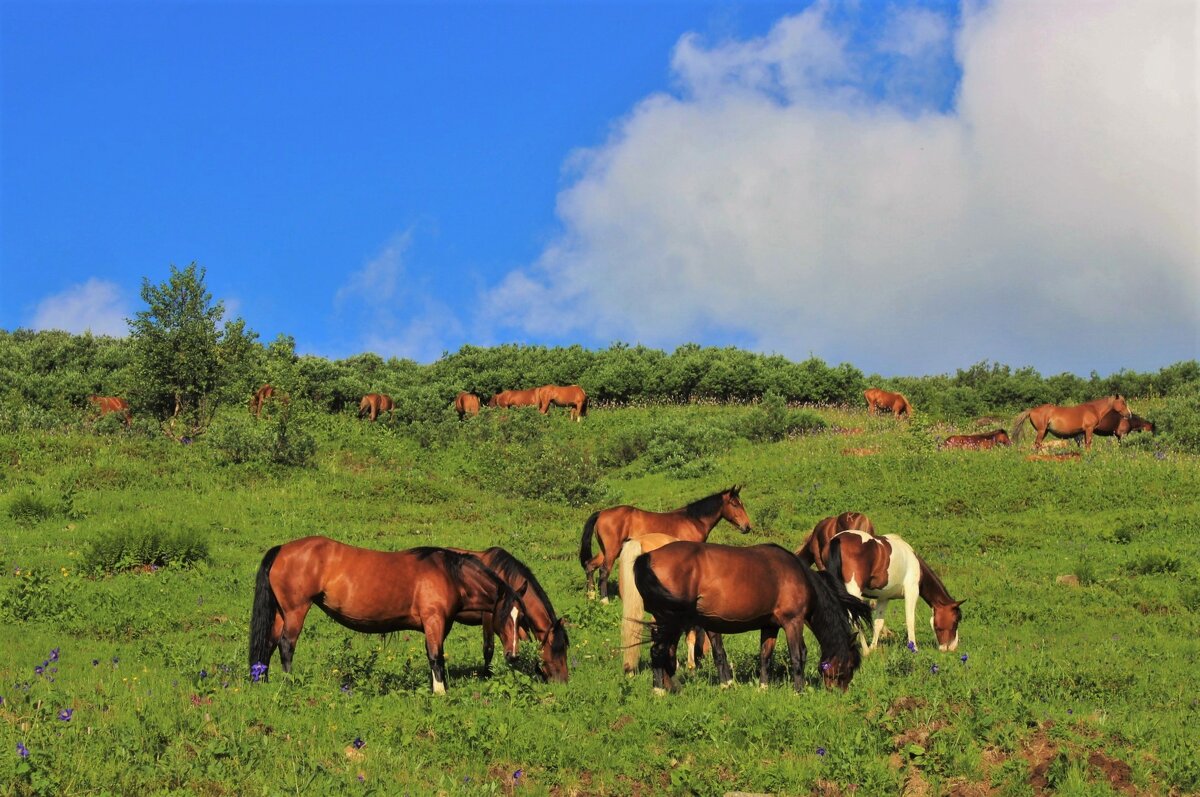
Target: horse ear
(735, 489)
(959, 603)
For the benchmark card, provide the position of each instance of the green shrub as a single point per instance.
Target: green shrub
(281, 438)
(1179, 421)
(685, 449)
(34, 595)
(29, 509)
(129, 549)
(1156, 562)
(772, 421)
(110, 424)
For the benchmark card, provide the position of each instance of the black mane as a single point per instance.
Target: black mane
(508, 568)
(704, 507)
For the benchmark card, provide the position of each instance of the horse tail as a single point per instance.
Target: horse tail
(585, 543)
(632, 607)
(1019, 426)
(583, 406)
(262, 616)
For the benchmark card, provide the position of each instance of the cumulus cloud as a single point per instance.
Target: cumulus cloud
(96, 306)
(789, 193)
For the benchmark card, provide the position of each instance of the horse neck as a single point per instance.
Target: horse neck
(477, 589)
(932, 590)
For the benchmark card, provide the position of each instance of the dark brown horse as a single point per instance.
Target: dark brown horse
(514, 398)
(886, 567)
(107, 404)
(999, 437)
(263, 395)
(728, 590)
(549, 630)
(466, 404)
(816, 547)
(619, 523)
(1114, 425)
(559, 396)
(421, 589)
(375, 404)
(1069, 421)
(882, 399)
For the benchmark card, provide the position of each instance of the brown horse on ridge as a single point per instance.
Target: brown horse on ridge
(816, 547)
(1069, 421)
(558, 396)
(999, 437)
(375, 404)
(466, 404)
(882, 399)
(514, 398)
(263, 395)
(619, 523)
(107, 404)
(375, 592)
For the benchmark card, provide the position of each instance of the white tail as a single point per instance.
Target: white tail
(632, 608)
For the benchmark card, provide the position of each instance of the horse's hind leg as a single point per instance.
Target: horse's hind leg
(766, 650)
(436, 630)
(289, 625)
(664, 637)
(720, 660)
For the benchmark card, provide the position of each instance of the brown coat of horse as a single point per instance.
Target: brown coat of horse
(264, 394)
(375, 404)
(999, 437)
(514, 398)
(882, 399)
(727, 590)
(1069, 421)
(1115, 425)
(466, 404)
(571, 396)
(816, 547)
(619, 523)
(107, 404)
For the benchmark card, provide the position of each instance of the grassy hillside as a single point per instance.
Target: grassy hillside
(110, 611)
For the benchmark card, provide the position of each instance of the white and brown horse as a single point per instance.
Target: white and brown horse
(885, 568)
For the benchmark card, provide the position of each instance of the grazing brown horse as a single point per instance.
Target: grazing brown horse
(816, 547)
(999, 437)
(882, 399)
(559, 396)
(619, 523)
(727, 590)
(107, 404)
(886, 567)
(264, 394)
(375, 404)
(466, 404)
(1114, 425)
(549, 630)
(514, 398)
(421, 589)
(1069, 421)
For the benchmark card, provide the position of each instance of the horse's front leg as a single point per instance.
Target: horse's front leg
(436, 630)
(877, 621)
(911, 592)
(489, 645)
(797, 653)
(766, 650)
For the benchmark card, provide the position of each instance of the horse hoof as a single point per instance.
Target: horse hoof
(727, 684)
(658, 690)
(604, 601)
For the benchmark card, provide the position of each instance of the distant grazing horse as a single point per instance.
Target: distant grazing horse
(107, 404)
(886, 567)
(882, 399)
(375, 404)
(1113, 424)
(466, 404)
(815, 548)
(421, 589)
(1069, 421)
(549, 630)
(727, 590)
(619, 523)
(558, 396)
(514, 398)
(262, 395)
(999, 437)
(633, 609)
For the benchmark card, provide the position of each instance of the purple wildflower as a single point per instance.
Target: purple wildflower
(39, 669)
(54, 654)
(517, 774)
(358, 743)
(22, 750)
(933, 668)
(825, 666)
(963, 658)
(820, 751)
(65, 714)
(345, 689)
(257, 671)
(361, 778)
(203, 674)
(95, 662)
(1, 700)
(912, 646)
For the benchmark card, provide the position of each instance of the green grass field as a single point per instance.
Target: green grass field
(1071, 688)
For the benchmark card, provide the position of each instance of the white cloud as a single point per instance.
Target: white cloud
(1049, 218)
(97, 306)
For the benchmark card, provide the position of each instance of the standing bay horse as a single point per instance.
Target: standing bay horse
(466, 404)
(885, 568)
(1117, 426)
(375, 404)
(983, 440)
(882, 399)
(421, 589)
(613, 526)
(107, 404)
(264, 394)
(559, 396)
(549, 630)
(514, 398)
(1069, 421)
(727, 590)
(816, 547)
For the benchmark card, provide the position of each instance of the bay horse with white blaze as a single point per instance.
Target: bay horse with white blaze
(816, 547)
(982, 440)
(466, 404)
(885, 568)
(727, 590)
(1069, 421)
(571, 396)
(107, 404)
(375, 404)
(614, 525)
(375, 592)
(882, 399)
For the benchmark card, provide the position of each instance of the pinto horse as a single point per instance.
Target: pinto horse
(571, 396)
(262, 395)
(466, 404)
(614, 525)
(375, 404)
(816, 547)
(1113, 424)
(514, 398)
(549, 630)
(727, 590)
(421, 589)
(999, 437)
(1070, 421)
(886, 567)
(882, 399)
(107, 404)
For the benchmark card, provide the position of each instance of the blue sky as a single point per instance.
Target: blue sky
(910, 187)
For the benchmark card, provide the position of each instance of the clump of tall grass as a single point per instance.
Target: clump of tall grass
(118, 550)
(29, 508)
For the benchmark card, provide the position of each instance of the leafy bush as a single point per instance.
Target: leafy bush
(281, 438)
(36, 596)
(772, 420)
(129, 549)
(685, 449)
(1179, 420)
(29, 509)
